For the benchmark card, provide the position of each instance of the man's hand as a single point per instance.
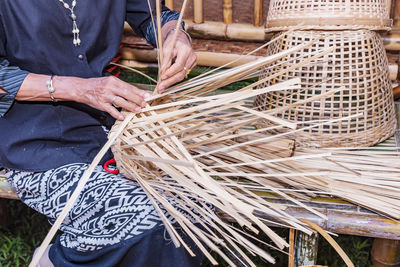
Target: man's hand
(108, 93)
(182, 58)
(104, 93)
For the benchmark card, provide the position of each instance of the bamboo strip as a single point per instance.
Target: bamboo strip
(159, 33)
(292, 247)
(283, 122)
(275, 136)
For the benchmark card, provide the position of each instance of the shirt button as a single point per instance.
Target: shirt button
(80, 57)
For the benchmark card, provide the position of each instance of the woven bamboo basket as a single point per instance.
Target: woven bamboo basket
(358, 64)
(328, 15)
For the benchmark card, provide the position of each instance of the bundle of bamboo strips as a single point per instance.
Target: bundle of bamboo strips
(191, 148)
(369, 177)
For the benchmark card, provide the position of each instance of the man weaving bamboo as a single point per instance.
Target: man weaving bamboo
(56, 105)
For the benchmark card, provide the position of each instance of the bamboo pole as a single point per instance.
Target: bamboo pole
(258, 12)
(393, 71)
(391, 41)
(396, 14)
(198, 11)
(169, 4)
(138, 64)
(396, 92)
(131, 56)
(219, 30)
(227, 6)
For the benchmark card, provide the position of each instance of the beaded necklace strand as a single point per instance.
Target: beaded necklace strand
(75, 29)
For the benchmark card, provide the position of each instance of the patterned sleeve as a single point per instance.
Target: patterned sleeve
(11, 78)
(139, 17)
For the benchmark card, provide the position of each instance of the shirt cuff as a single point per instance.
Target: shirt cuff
(151, 30)
(11, 78)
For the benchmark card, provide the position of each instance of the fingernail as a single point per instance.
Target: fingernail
(144, 104)
(146, 95)
(121, 117)
(161, 87)
(164, 77)
(138, 109)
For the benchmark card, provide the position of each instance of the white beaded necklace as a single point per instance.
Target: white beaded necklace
(75, 29)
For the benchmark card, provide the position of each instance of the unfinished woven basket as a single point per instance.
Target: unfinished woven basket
(358, 65)
(328, 15)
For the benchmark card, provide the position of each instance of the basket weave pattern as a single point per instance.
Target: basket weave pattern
(359, 65)
(328, 15)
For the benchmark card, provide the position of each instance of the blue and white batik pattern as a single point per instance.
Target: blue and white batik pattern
(109, 210)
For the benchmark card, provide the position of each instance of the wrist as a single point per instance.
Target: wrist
(66, 88)
(169, 28)
(181, 30)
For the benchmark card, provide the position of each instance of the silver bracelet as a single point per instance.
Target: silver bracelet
(50, 87)
(182, 30)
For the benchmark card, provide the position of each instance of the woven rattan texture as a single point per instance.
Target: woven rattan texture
(359, 64)
(242, 11)
(328, 15)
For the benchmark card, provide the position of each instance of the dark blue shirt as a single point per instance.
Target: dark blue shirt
(36, 37)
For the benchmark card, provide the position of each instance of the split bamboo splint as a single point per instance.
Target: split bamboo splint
(358, 63)
(328, 15)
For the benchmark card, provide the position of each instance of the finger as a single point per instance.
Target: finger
(114, 112)
(164, 84)
(181, 58)
(130, 88)
(131, 94)
(167, 62)
(121, 102)
(193, 60)
(170, 81)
